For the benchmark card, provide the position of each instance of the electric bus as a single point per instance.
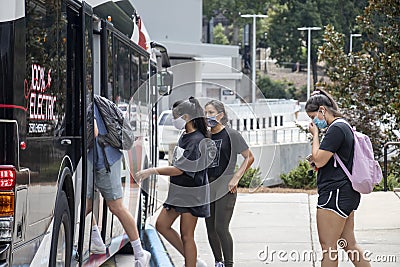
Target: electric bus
(54, 56)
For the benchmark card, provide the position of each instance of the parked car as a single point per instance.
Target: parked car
(167, 133)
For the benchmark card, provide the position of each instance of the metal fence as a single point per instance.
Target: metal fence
(274, 135)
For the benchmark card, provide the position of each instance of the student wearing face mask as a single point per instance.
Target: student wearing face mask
(224, 181)
(188, 195)
(337, 201)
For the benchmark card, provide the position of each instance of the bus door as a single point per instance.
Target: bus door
(81, 78)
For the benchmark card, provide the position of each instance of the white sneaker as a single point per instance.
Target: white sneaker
(143, 261)
(199, 263)
(97, 246)
(219, 264)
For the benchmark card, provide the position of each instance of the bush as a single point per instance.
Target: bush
(392, 182)
(251, 178)
(275, 89)
(299, 178)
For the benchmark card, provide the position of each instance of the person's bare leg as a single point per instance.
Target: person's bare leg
(163, 226)
(355, 253)
(330, 227)
(125, 217)
(89, 209)
(188, 225)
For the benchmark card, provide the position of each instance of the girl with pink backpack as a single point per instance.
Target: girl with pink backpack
(337, 200)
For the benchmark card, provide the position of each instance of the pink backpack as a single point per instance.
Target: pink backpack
(366, 172)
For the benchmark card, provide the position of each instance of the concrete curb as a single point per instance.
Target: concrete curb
(153, 243)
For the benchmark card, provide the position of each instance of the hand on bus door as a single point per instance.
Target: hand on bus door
(143, 174)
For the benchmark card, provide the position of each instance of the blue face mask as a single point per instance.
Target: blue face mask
(321, 124)
(212, 121)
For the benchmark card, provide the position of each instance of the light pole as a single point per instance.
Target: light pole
(253, 60)
(309, 29)
(351, 40)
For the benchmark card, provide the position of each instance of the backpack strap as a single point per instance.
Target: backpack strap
(335, 155)
(341, 120)
(344, 168)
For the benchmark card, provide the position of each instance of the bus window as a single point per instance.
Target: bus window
(110, 74)
(122, 77)
(45, 58)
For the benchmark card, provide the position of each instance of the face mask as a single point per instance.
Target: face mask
(212, 121)
(321, 124)
(179, 123)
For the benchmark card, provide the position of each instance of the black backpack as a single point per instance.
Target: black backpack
(119, 131)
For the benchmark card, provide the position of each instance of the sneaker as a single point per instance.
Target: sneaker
(199, 263)
(219, 264)
(143, 261)
(97, 246)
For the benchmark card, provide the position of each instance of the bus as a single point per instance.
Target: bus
(54, 56)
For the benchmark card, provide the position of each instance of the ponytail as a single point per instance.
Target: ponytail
(199, 121)
(192, 108)
(322, 98)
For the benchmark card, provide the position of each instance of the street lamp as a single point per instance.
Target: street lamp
(309, 29)
(253, 61)
(351, 40)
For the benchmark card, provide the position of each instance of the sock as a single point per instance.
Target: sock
(137, 248)
(96, 233)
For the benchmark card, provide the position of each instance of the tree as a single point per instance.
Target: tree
(232, 9)
(367, 83)
(219, 35)
(286, 41)
(274, 89)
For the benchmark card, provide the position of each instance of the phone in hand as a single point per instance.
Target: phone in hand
(308, 158)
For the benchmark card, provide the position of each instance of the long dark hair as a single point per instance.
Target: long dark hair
(322, 98)
(192, 108)
(219, 106)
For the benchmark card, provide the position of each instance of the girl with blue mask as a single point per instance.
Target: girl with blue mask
(321, 124)
(337, 200)
(224, 178)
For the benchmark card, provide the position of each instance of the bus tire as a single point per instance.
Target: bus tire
(161, 155)
(61, 241)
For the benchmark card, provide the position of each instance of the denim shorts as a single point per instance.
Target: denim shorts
(108, 183)
(342, 200)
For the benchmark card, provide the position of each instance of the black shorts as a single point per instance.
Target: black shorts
(342, 201)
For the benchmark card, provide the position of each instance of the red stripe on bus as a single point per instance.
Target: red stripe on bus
(13, 106)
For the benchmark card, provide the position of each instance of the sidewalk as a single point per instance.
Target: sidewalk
(274, 229)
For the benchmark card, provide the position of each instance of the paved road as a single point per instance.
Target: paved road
(269, 224)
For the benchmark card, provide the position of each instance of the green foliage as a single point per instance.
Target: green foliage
(298, 178)
(284, 17)
(393, 179)
(251, 178)
(367, 83)
(276, 89)
(219, 35)
(392, 182)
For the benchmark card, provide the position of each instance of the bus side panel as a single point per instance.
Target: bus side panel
(52, 119)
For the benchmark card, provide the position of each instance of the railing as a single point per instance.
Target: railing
(385, 147)
(274, 136)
